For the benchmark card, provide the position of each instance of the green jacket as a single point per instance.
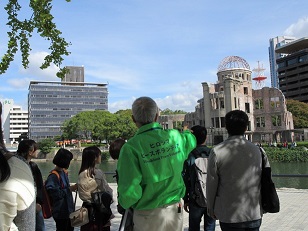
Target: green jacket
(150, 166)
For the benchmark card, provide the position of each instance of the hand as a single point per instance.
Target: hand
(74, 187)
(38, 207)
(186, 207)
(185, 127)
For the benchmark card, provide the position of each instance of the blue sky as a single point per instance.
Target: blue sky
(163, 49)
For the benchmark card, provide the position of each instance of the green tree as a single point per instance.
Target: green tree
(79, 126)
(125, 124)
(299, 111)
(40, 21)
(104, 126)
(99, 126)
(168, 111)
(46, 145)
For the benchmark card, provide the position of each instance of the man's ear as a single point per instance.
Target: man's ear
(156, 117)
(133, 119)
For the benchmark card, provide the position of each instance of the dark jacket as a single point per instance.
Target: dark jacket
(38, 179)
(61, 195)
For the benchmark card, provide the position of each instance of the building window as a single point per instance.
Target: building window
(291, 61)
(281, 65)
(276, 120)
(246, 90)
(223, 123)
(222, 103)
(259, 104)
(247, 108)
(260, 121)
(235, 102)
(275, 102)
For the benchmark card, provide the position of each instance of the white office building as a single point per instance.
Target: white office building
(15, 121)
(273, 56)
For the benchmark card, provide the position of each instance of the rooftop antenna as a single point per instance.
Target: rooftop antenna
(259, 76)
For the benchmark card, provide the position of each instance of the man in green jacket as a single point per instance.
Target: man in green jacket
(149, 168)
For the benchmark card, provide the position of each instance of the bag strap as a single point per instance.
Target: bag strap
(75, 199)
(262, 158)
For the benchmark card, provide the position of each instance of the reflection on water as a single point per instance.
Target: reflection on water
(290, 168)
(73, 170)
(277, 168)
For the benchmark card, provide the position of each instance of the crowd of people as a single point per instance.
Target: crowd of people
(156, 179)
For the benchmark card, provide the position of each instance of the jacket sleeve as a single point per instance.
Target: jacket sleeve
(101, 181)
(190, 141)
(38, 182)
(212, 182)
(54, 188)
(129, 188)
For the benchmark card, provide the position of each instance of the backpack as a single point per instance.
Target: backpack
(47, 200)
(196, 177)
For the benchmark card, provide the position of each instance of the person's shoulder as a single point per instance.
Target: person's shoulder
(98, 172)
(17, 163)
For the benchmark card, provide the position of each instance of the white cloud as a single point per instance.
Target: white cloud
(33, 72)
(36, 59)
(184, 97)
(298, 29)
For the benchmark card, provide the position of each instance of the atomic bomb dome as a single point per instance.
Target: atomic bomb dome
(233, 62)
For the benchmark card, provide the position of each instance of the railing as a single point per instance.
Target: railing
(273, 175)
(290, 175)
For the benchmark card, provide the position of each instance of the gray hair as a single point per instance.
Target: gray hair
(144, 110)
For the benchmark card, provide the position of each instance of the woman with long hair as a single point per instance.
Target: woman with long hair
(92, 180)
(28, 149)
(17, 197)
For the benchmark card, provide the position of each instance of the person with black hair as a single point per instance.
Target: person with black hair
(233, 178)
(115, 148)
(90, 180)
(28, 149)
(196, 209)
(17, 197)
(60, 190)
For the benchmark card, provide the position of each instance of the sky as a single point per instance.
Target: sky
(163, 49)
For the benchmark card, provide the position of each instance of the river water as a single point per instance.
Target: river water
(277, 168)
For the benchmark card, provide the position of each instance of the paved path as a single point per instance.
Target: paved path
(293, 215)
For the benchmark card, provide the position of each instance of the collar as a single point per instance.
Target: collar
(149, 127)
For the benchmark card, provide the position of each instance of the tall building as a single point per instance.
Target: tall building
(293, 70)
(15, 121)
(273, 56)
(51, 103)
(269, 119)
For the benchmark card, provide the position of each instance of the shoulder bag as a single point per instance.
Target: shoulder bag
(79, 217)
(269, 197)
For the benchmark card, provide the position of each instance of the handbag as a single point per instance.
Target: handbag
(269, 197)
(101, 202)
(80, 216)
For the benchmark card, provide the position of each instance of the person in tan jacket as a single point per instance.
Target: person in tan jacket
(92, 180)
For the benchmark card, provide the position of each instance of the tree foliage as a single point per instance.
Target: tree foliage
(41, 22)
(99, 126)
(46, 145)
(299, 111)
(168, 111)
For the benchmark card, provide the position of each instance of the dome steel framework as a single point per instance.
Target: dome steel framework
(233, 62)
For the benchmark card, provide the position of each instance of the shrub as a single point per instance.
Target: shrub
(297, 154)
